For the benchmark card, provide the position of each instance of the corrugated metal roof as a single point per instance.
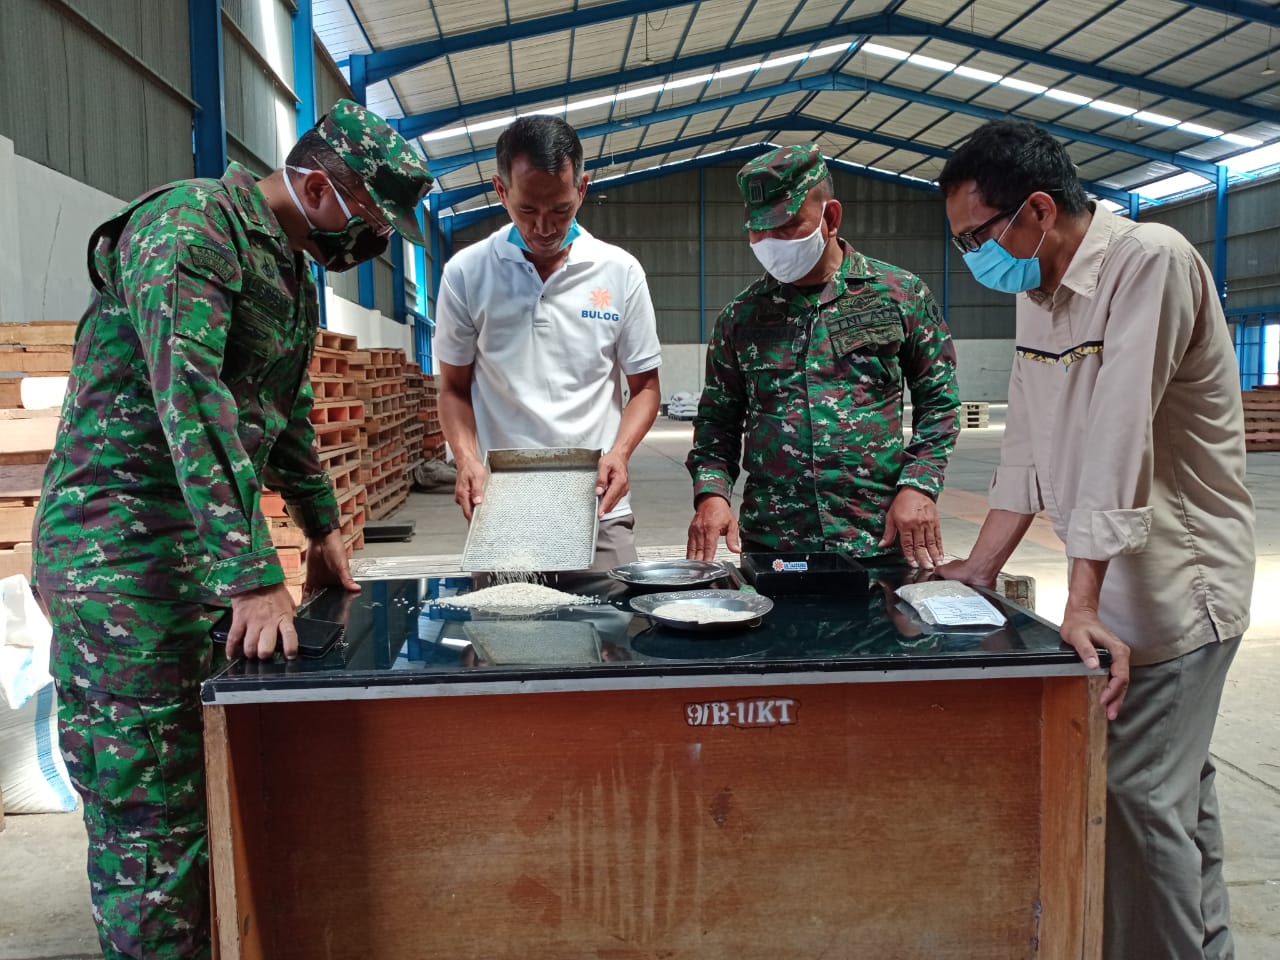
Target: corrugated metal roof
(1087, 66)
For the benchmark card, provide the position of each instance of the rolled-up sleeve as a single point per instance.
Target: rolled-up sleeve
(1016, 486)
(1149, 327)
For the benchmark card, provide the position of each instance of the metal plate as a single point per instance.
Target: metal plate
(668, 573)
(753, 603)
(538, 511)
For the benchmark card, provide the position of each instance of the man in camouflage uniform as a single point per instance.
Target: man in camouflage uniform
(808, 363)
(189, 391)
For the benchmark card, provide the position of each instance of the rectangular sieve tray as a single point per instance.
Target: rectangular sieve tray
(538, 511)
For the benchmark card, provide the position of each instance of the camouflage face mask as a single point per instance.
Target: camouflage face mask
(342, 249)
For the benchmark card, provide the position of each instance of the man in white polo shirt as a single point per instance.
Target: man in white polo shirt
(538, 324)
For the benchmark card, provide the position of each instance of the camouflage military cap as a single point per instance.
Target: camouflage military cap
(395, 173)
(775, 184)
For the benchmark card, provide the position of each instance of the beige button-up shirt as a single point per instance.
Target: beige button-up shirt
(1126, 426)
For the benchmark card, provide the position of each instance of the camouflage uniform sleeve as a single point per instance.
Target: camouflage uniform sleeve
(713, 462)
(179, 273)
(929, 366)
(294, 469)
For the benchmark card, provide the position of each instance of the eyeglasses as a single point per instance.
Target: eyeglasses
(379, 225)
(968, 241)
(376, 222)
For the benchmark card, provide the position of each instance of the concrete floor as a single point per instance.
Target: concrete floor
(44, 911)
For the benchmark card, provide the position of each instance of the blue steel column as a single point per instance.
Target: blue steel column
(399, 304)
(209, 122)
(437, 255)
(1134, 201)
(358, 69)
(304, 84)
(420, 264)
(304, 64)
(446, 242)
(1220, 235)
(702, 255)
(421, 323)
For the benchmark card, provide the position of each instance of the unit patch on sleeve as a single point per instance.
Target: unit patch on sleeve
(211, 260)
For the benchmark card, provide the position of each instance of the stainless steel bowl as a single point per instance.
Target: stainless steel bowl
(669, 573)
(737, 600)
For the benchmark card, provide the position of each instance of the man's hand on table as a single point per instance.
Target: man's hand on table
(1082, 630)
(469, 488)
(327, 565)
(612, 480)
(966, 571)
(913, 520)
(257, 619)
(712, 519)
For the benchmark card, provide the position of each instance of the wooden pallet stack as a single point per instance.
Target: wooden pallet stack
(415, 391)
(338, 417)
(41, 349)
(27, 350)
(379, 376)
(433, 435)
(975, 414)
(1262, 419)
(19, 495)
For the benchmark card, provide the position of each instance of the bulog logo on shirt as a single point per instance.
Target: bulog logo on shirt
(601, 299)
(771, 712)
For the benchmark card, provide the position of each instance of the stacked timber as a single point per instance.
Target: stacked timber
(35, 359)
(337, 414)
(432, 433)
(415, 391)
(975, 414)
(1262, 418)
(379, 376)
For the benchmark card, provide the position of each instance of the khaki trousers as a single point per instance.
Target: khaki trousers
(1166, 898)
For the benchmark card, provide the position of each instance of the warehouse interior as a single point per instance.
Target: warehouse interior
(1170, 110)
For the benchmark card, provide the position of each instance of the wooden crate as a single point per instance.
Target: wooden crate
(19, 495)
(41, 349)
(975, 414)
(15, 559)
(1262, 419)
(39, 333)
(26, 436)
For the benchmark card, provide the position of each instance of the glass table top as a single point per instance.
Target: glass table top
(400, 633)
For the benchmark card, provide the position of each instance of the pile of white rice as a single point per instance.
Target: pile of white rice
(511, 597)
(692, 612)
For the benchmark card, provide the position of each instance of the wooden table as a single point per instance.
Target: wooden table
(820, 786)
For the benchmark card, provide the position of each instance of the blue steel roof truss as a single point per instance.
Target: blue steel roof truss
(1112, 138)
(771, 126)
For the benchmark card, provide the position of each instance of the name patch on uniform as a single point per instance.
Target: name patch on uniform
(213, 261)
(267, 296)
(877, 326)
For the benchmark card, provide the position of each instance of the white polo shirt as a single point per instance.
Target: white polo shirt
(549, 358)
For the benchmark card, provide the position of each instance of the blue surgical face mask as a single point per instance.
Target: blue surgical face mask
(570, 235)
(996, 268)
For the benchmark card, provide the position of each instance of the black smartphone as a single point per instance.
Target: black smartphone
(315, 637)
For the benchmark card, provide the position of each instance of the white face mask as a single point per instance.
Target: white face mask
(789, 260)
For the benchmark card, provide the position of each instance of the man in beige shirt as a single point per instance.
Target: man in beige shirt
(1125, 425)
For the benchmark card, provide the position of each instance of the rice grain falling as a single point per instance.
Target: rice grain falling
(701, 613)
